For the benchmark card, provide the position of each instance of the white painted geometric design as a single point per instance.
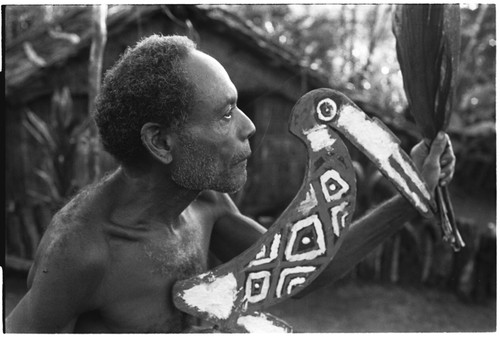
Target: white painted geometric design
(216, 297)
(319, 138)
(314, 221)
(382, 145)
(260, 323)
(273, 253)
(265, 277)
(326, 109)
(295, 282)
(337, 213)
(309, 201)
(290, 271)
(262, 253)
(329, 189)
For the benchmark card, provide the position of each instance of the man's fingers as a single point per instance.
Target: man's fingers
(447, 162)
(445, 181)
(438, 146)
(447, 172)
(448, 168)
(447, 159)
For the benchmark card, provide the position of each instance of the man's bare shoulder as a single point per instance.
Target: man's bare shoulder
(73, 240)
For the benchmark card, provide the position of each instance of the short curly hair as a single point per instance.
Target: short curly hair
(149, 83)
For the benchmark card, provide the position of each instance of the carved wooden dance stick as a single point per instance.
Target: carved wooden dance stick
(304, 239)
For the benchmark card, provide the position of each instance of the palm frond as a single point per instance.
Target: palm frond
(428, 47)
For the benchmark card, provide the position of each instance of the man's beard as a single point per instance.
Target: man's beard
(199, 170)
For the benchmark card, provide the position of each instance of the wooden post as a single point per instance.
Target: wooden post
(99, 37)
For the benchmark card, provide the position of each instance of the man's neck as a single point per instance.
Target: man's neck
(149, 197)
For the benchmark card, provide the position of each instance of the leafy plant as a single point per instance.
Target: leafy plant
(60, 141)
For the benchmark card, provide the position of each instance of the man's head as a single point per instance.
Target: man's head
(210, 151)
(196, 129)
(147, 84)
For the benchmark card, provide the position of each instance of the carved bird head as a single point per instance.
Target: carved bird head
(327, 108)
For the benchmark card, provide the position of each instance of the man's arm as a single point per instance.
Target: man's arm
(233, 232)
(67, 270)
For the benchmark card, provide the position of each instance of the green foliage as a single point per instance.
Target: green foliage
(476, 90)
(355, 46)
(60, 141)
(69, 144)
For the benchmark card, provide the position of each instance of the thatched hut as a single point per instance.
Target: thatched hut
(269, 79)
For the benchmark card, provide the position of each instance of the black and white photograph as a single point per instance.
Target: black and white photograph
(250, 168)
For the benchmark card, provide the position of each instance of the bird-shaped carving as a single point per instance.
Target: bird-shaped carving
(307, 235)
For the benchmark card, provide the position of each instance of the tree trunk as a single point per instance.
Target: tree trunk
(99, 14)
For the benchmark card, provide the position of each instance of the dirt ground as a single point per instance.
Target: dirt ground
(371, 307)
(357, 306)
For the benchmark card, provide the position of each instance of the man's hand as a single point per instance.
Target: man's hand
(437, 163)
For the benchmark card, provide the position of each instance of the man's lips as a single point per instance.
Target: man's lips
(242, 159)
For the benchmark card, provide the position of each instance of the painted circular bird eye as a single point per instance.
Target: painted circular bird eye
(326, 109)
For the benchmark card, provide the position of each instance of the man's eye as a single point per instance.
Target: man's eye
(229, 114)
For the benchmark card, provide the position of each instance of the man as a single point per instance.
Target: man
(109, 259)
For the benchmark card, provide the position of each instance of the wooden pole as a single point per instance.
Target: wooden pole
(99, 37)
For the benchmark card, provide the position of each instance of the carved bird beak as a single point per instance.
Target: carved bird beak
(375, 140)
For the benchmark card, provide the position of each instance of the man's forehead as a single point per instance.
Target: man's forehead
(210, 78)
(201, 65)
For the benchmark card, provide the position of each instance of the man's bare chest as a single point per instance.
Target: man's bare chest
(137, 289)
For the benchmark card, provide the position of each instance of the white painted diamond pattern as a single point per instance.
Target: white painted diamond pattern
(262, 289)
(315, 222)
(261, 258)
(301, 270)
(329, 188)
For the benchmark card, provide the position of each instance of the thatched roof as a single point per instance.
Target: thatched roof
(34, 54)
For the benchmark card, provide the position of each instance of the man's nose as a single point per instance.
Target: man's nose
(247, 126)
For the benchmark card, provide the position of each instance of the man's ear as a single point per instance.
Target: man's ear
(158, 142)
